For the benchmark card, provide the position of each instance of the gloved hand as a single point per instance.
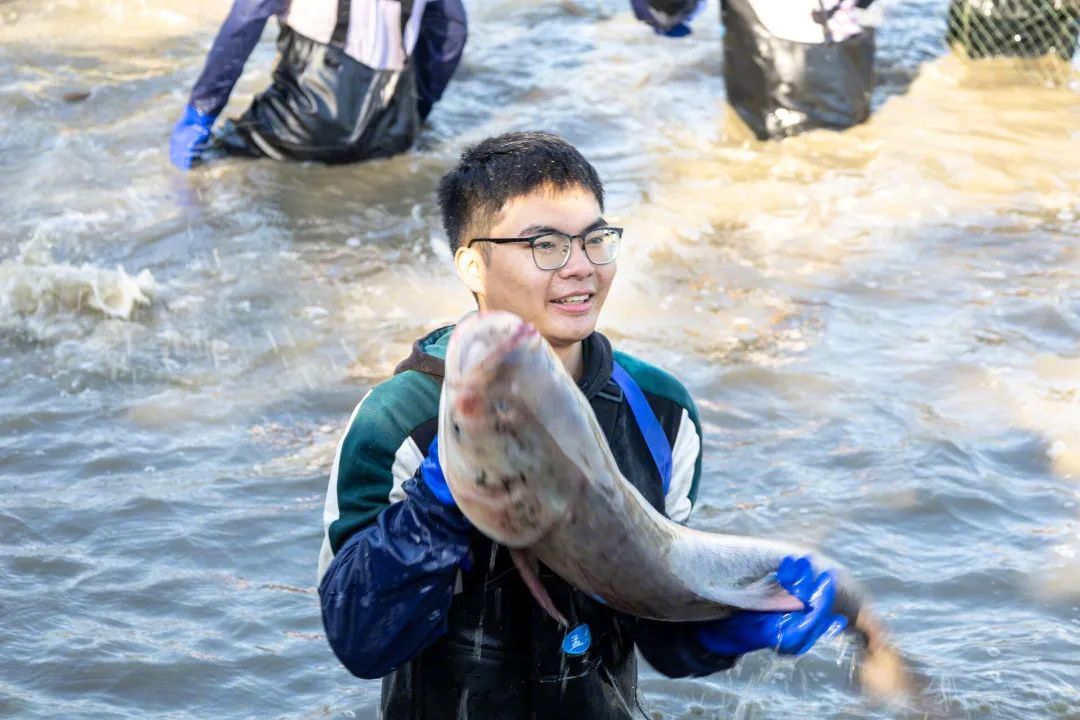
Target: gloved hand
(189, 137)
(677, 30)
(658, 13)
(432, 475)
(788, 633)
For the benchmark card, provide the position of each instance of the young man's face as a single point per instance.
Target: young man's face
(562, 304)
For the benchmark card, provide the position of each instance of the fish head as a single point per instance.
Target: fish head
(504, 393)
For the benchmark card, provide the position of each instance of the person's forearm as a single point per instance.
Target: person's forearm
(438, 50)
(386, 594)
(673, 649)
(234, 42)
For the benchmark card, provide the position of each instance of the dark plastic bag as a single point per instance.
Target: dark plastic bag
(327, 107)
(781, 87)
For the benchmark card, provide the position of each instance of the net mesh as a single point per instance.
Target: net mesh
(1041, 35)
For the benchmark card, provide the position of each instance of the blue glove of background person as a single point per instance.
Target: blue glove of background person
(788, 633)
(658, 13)
(189, 137)
(432, 475)
(677, 30)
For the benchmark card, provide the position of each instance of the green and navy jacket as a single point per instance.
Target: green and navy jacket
(412, 593)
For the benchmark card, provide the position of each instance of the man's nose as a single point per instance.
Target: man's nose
(578, 265)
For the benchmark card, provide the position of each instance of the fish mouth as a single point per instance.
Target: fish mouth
(481, 353)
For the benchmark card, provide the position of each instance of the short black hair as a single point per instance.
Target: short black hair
(504, 167)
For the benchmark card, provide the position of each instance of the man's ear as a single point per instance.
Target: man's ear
(471, 268)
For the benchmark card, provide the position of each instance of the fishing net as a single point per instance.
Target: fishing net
(1042, 35)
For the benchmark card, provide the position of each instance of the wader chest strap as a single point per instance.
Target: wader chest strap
(646, 421)
(341, 27)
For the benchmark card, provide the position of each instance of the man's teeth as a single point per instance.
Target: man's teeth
(573, 300)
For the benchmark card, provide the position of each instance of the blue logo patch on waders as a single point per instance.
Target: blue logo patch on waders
(577, 641)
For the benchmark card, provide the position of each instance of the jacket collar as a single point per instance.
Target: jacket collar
(429, 356)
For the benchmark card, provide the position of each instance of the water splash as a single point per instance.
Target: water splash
(33, 285)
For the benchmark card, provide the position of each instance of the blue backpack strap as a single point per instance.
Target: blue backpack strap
(646, 421)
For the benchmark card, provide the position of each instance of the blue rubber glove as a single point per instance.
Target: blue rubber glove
(788, 633)
(678, 30)
(189, 137)
(432, 475)
(659, 13)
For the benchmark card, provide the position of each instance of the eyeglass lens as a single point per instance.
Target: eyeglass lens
(553, 251)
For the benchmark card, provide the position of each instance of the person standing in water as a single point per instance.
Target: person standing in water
(411, 592)
(789, 66)
(353, 81)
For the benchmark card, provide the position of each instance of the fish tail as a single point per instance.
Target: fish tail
(884, 674)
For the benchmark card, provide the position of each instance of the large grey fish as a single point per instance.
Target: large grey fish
(528, 464)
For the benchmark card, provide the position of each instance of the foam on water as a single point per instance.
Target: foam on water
(32, 286)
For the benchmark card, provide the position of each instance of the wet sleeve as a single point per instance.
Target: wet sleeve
(672, 649)
(438, 50)
(376, 455)
(234, 42)
(386, 594)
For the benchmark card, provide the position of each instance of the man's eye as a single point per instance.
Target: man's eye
(544, 245)
(604, 235)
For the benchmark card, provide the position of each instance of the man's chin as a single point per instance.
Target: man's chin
(567, 331)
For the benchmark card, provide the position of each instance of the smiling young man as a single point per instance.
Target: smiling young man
(410, 591)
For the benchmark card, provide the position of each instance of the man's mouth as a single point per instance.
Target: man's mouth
(580, 299)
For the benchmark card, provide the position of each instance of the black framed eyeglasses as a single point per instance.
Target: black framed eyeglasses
(551, 250)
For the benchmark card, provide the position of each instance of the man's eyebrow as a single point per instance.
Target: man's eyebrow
(541, 229)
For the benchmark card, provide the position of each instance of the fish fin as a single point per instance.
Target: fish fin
(764, 595)
(526, 564)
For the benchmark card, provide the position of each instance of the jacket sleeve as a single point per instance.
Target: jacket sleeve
(234, 42)
(443, 31)
(391, 551)
(673, 649)
(685, 466)
(386, 593)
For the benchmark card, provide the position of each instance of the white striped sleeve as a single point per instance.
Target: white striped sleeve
(407, 458)
(684, 457)
(331, 511)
